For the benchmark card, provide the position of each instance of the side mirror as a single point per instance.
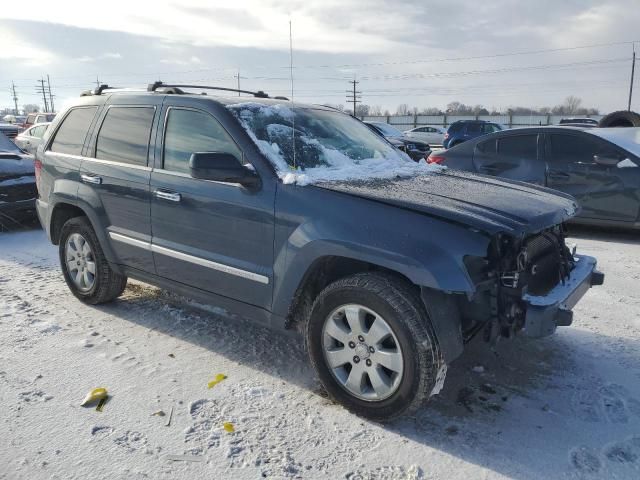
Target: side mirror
(221, 167)
(606, 161)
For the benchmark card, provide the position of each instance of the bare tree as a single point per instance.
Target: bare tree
(362, 110)
(403, 109)
(375, 110)
(31, 108)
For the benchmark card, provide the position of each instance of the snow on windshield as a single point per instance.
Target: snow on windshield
(328, 145)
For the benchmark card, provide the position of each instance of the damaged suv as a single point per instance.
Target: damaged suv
(300, 217)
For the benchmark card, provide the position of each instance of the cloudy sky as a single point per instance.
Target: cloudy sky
(497, 53)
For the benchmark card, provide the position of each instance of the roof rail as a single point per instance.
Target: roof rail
(176, 88)
(103, 88)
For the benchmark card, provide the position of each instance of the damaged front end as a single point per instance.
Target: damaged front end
(526, 286)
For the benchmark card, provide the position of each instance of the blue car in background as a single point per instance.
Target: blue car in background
(464, 130)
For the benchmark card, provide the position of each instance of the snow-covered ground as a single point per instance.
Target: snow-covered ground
(564, 407)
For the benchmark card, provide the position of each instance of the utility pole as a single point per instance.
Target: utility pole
(353, 95)
(53, 109)
(41, 89)
(633, 70)
(238, 77)
(15, 98)
(97, 81)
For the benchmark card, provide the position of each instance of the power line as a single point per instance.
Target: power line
(477, 57)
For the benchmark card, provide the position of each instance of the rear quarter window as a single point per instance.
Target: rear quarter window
(72, 132)
(456, 127)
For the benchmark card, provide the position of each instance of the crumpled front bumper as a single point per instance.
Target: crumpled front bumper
(546, 312)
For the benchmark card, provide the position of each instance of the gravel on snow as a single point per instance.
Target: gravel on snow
(567, 406)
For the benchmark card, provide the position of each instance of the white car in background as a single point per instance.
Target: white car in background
(430, 135)
(31, 137)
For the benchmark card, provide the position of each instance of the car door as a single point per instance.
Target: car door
(214, 236)
(115, 177)
(603, 192)
(516, 157)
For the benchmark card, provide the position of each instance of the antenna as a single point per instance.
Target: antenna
(293, 117)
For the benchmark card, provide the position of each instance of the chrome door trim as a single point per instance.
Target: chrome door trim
(203, 262)
(256, 277)
(130, 241)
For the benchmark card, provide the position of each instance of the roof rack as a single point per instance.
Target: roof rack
(172, 89)
(176, 88)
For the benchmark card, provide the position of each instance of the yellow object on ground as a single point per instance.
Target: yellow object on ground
(94, 395)
(228, 427)
(219, 377)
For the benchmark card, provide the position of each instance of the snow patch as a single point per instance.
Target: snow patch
(334, 165)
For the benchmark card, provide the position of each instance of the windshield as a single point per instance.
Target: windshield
(329, 145)
(625, 137)
(387, 130)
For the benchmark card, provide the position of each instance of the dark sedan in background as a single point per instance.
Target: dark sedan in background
(600, 167)
(414, 148)
(17, 186)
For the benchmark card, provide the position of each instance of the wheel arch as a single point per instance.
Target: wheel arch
(63, 211)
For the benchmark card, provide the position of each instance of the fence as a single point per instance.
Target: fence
(406, 122)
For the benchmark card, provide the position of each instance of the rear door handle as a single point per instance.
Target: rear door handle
(91, 179)
(171, 196)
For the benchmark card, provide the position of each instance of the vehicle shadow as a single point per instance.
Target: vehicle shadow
(525, 409)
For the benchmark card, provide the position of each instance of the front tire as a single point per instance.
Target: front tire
(84, 266)
(372, 346)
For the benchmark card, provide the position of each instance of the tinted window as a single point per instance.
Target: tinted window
(490, 128)
(189, 131)
(456, 127)
(519, 146)
(487, 147)
(578, 148)
(70, 136)
(124, 135)
(473, 128)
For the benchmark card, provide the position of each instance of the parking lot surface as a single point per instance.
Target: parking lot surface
(567, 406)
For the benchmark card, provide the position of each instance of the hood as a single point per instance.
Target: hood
(485, 203)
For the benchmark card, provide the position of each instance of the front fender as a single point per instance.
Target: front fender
(435, 261)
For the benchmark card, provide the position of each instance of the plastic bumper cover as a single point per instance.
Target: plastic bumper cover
(547, 312)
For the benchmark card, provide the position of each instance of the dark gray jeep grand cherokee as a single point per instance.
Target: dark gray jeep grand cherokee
(300, 217)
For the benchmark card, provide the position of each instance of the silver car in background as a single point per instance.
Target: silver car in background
(31, 137)
(429, 134)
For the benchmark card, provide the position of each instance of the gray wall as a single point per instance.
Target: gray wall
(406, 122)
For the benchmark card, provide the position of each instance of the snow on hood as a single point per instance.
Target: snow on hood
(332, 164)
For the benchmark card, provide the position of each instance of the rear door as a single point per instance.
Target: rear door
(214, 236)
(115, 177)
(606, 193)
(516, 157)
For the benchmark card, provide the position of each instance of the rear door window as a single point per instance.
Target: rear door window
(124, 135)
(519, 147)
(474, 128)
(70, 136)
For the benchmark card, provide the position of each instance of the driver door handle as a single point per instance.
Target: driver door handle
(171, 196)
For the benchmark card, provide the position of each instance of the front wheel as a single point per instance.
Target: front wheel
(371, 343)
(84, 266)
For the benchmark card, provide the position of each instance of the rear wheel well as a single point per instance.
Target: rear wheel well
(323, 272)
(60, 215)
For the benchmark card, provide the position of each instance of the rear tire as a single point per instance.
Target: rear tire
(84, 266)
(622, 118)
(399, 355)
